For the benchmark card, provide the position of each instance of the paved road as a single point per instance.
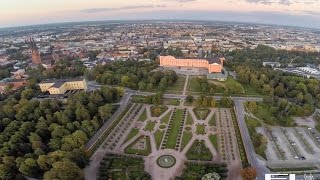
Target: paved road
(261, 169)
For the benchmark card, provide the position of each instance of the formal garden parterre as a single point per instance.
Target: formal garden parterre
(190, 135)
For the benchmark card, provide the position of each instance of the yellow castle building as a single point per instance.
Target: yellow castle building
(60, 86)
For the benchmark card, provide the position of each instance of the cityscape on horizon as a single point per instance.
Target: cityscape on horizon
(230, 93)
(280, 12)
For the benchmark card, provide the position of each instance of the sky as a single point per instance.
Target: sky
(283, 12)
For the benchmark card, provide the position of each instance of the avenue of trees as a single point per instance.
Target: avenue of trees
(45, 139)
(133, 74)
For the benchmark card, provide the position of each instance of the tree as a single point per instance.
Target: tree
(105, 111)
(27, 94)
(29, 167)
(213, 102)
(252, 106)
(189, 99)
(125, 80)
(205, 102)
(64, 170)
(248, 173)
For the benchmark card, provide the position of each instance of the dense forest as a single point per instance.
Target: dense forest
(255, 57)
(285, 94)
(132, 74)
(61, 69)
(46, 138)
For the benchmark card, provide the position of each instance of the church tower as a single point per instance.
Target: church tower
(35, 55)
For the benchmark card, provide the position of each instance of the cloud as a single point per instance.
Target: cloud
(269, 2)
(97, 10)
(182, 1)
(313, 13)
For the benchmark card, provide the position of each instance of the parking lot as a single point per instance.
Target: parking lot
(292, 143)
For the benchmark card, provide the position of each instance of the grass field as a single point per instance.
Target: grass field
(201, 129)
(158, 135)
(150, 126)
(177, 87)
(173, 102)
(189, 119)
(131, 134)
(199, 151)
(173, 134)
(264, 114)
(212, 121)
(166, 118)
(193, 85)
(186, 137)
(143, 116)
(214, 140)
(145, 152)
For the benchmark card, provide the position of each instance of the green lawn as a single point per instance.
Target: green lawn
(214, 140)
(250, 90)
(264, 114)
(173, 102)
(173, 134)
(199, 151)
(157, 111)
(150, 126)
(131, 134)
(166, 118)
(193, 85)
(186, 137)
(177, 87)
(143, 116)
(201, 129)
(212, 120)
(201, 113)
(158, 135)
(189, 119)
(138, 99)
(145, 152)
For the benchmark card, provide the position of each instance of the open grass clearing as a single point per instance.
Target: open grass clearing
(173, 134)
(166, 118)
(133, 132)
(158, 135)
(186, 137)
(150, 126)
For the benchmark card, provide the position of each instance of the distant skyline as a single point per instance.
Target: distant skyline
(304, 13)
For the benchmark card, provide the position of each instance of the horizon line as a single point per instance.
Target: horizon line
(132, 20)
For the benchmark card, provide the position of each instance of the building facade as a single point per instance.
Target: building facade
(214, 65)
(35, 54)
(62, 85)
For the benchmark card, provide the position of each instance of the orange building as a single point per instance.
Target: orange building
(214, 65)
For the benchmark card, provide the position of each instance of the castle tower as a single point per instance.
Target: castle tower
(35, 55)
